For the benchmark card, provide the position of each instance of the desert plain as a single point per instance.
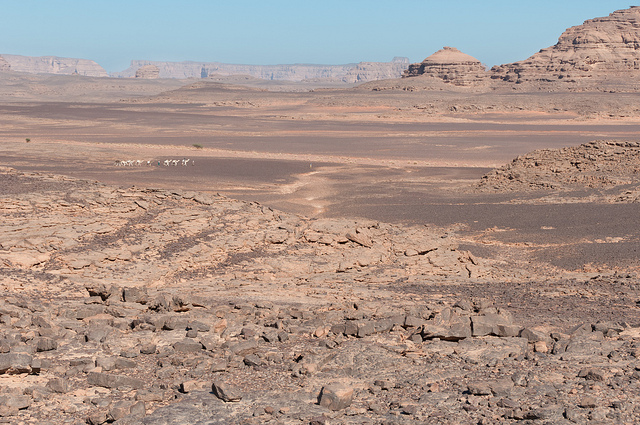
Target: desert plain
(234, 250)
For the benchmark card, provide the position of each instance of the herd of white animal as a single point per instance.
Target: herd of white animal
(166, 163)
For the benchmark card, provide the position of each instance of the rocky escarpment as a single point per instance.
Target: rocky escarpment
(55, 65)
(4, 65)
(141, 306)
(451, 66)
(373, 71)
(594, 165)
(349, 73)
(601, 47)
(148, 72)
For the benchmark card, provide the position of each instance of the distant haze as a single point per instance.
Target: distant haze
(286, 32)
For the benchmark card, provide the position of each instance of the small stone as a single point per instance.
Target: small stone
(15, 401)
(252, 360)
(225, 392)
(120, 410)
(540, 347)
(138, 409)
(14, 363)
(46, 344)
(190, 386)
(591, 374)
(336, 396)
(588, 402)
(479, 388)
(219, 365)
(58, 385)
(148, 348)
(187, 345)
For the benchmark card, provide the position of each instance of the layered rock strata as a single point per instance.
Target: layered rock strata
(349, 73)
(55, 65)
(601, 47)
(451, 66)
(148, 72)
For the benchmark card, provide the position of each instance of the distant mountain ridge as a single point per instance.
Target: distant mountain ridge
(348, 73)
(54, 65)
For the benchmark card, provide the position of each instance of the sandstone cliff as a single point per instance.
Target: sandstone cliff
(365, 71)
(451, 66)
(148, 72)
(601, 47)
(55, 65)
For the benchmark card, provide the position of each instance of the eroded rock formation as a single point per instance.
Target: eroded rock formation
(603, 164)
(148, 72)
(55, 65)
(607, 46)
(451, 66)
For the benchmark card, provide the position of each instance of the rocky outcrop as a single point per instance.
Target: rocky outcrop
(4, 65)
(599, 164)
(55, 65)
(451, 66)
(148, 72)
(366, 71)
(601, 47)
(143, 306)
(373, 71)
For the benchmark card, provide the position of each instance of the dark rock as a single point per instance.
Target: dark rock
(124, 363)
(135, 295)
(58, 385)
(114, 381)
(225, 392)
(18, 402)
(479, 388)
(97, 418)
(119, 410)
(336, 396)
(198, 326)
(175, 323)
(148, 348)
(13, 363)
(534, 335)
(187, 346)
(244, 348)
(591, 374)
(252, 360)
(365, 330)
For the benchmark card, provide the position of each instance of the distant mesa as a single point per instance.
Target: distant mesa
(348, 73)
(148, 72)
(450, 65)
(4, 65)
(600, 47)
(55, 65)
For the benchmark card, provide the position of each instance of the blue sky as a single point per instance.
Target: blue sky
(112, 32)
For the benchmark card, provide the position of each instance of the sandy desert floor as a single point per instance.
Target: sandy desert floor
(336, 153)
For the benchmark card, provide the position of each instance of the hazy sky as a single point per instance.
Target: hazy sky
(112, 32)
